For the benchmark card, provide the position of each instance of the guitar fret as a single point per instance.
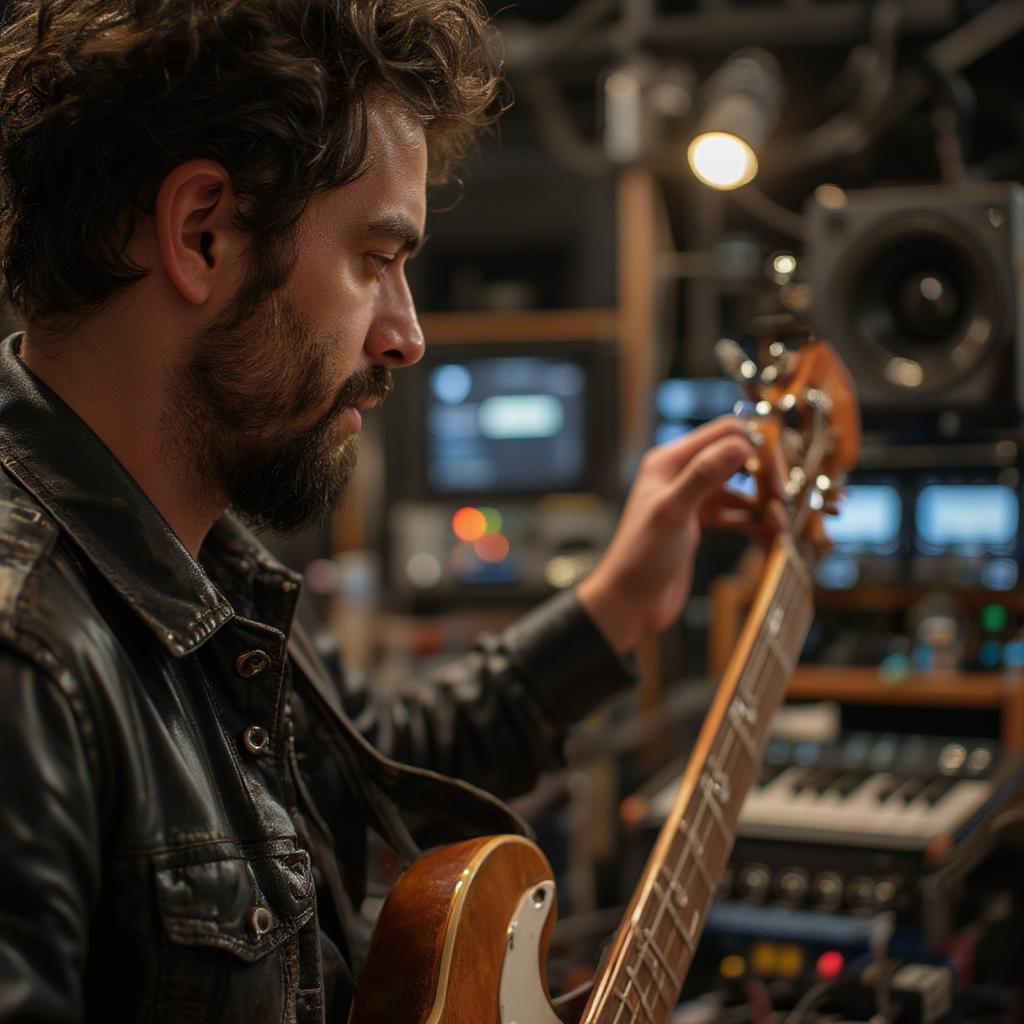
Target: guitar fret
(697, 848)
(642, 994)
(623, 998)
(711, 802)
(677, 921)
(652, 942)
(740, 729)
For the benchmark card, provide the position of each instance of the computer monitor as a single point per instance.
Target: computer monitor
(683, 403)
(502, 471)
(512, 420)
(967, 519)
(869, 520)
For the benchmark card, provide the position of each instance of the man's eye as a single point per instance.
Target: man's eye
(381, 261)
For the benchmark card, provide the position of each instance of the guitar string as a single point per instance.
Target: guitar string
(692, 835)
(722, 739)
(769, 636)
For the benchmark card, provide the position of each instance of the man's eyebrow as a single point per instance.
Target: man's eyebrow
(398, 228)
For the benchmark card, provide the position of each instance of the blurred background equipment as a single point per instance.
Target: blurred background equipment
(740, 107)
(501, 471)
(919, 289)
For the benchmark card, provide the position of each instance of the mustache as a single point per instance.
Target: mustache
(372, 384)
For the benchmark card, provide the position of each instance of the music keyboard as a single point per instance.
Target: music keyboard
(861, 809)
(880, 791)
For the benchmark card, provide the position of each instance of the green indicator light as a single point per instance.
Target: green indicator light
(994, 618)
(493, 518)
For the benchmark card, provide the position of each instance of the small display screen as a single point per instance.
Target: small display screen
(683, 403)
(506, 424)
(967, 519)
(869, 519)
(696, 399)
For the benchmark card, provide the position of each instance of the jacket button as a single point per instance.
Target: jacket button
(256, 739)
(252, 663)
(261, 921)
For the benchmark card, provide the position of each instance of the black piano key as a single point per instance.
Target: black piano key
(895, 783)
(824, 782)
(803, 776)
(848, 782)
(914, 788)
(769, 773)
(937, 789)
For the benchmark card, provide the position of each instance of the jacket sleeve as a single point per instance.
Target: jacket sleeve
(496, 716)
(49, 842)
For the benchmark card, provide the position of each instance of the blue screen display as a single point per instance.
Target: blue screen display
(695, 400)
(507, 424)
(869, 519)
(967, 519)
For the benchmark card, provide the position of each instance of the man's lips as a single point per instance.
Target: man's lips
(352, 415)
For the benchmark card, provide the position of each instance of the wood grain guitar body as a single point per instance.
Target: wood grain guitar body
(463, 939)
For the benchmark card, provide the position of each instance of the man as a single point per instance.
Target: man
(207, 210)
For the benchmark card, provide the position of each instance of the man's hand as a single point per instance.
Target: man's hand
(644, 578)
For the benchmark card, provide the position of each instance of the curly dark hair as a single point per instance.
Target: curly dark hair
(100, 99)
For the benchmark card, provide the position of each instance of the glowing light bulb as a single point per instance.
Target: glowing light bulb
(722, 160)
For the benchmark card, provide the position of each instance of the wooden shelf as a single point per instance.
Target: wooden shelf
(897, 598)
(856, 684)
(525, 325)
(864, 685)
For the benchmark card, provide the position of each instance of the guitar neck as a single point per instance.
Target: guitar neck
(643, 975)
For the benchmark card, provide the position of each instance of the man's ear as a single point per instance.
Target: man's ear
(194, 227)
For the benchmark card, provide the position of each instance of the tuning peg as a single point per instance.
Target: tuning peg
(781, 364)
(736, 364)
(795, 483)
(818, 399)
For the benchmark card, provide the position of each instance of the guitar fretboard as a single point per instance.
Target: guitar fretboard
(654, 948)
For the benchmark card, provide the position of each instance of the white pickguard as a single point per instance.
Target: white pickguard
(522, 999)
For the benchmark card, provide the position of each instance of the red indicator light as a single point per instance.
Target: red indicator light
(830, 964)
(469, 524)
(493, 548)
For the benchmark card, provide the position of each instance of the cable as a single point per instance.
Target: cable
(557, 129)
(852, 131)
(531, 48)
(843, 132)
(769, 212)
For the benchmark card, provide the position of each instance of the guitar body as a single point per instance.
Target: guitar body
(445, 948)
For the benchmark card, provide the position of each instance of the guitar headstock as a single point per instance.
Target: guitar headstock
(805, 419)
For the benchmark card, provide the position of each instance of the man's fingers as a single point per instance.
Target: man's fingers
(677, 454)
(748, 519)
(709, 469)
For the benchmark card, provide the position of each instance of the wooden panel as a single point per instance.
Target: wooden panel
(529, 325)
(863, 685)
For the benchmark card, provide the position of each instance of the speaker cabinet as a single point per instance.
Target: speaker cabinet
(919, 290)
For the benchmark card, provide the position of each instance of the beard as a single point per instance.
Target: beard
(253, 372)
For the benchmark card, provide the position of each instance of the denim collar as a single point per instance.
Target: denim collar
(55, 456)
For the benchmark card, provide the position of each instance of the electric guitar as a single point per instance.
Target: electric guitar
(463, 936)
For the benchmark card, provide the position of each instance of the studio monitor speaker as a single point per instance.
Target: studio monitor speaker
(919, 289)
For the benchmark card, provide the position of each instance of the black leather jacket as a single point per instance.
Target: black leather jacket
(184, 791)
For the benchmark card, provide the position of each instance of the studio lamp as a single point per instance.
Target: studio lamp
(741, 106)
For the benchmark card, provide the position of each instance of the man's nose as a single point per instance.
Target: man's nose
(395, 337)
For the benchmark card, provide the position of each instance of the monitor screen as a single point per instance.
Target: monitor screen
(869, 520)
(967, 518)
(506, 423)
(504, 420)
(683, 403)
